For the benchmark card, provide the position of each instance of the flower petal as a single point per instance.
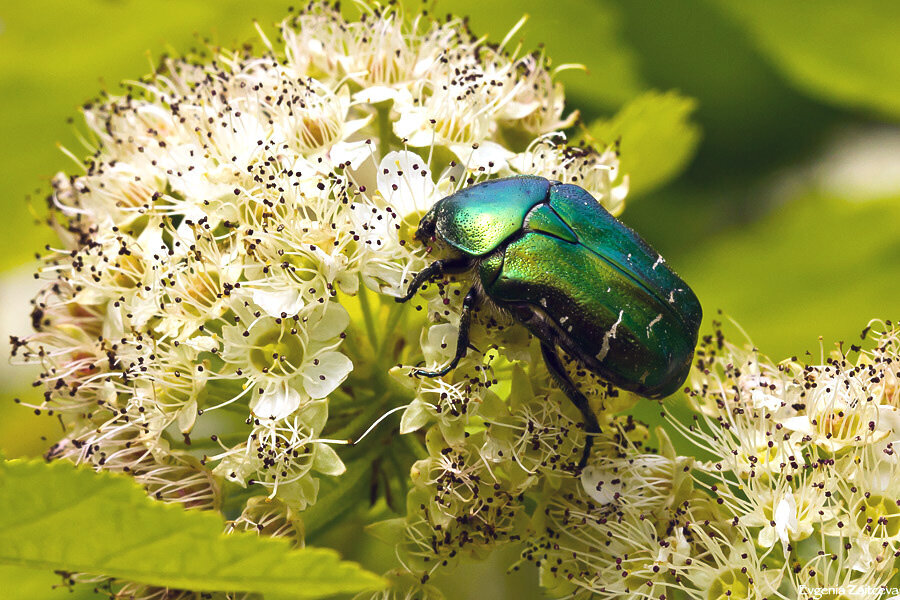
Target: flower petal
(278, 303)
(767, 537)
(203, 343)
(327, 461)
(354, 153)
(328, 322)
(602, 485)
(325, 373)
(414, 417)
(785, 517)
(405, 181)
(375, 94)
(439, 343)
(413, 126)
(800, 424)
(490, 156)
(277, 401)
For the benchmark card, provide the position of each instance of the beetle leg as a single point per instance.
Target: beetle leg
(438, 267)
(462, 340)
(558, 371)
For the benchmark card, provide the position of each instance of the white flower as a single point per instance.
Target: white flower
(316, 116)
(287, 364)
(731, 567)
(648, 481)
(788, 509)
(406, 191)
(406, 183)
(840, 411)
(835, 570)
(283, 454)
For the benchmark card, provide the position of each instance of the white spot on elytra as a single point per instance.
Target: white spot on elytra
(659, 260)
(562, 320)
(544, 302)
(609, 335)
(653, 322)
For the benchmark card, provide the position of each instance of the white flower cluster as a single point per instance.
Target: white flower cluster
(805, 457)
(793, 486)
(219, 314)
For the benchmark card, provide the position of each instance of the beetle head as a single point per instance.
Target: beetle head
(426, 231)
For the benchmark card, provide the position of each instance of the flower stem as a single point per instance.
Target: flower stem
(396, 312)
(367, 316)
(385, 127)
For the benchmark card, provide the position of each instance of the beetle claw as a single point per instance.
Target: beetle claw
(427, 373)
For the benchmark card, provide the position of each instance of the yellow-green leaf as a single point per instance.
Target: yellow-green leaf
(56, 516)
(657, 138)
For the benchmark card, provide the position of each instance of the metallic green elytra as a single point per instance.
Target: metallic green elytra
(576, 277)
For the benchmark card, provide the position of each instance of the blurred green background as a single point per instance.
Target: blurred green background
(787, 217)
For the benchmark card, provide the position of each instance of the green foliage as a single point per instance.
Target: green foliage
(845, 52)
(752, 120)
(657, 138)
(338, 497)
(816, 266)
(57, 516)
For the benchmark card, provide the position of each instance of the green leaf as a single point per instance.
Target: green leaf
(56, 516)
(753, 121)
(657, 138)
(847, 53)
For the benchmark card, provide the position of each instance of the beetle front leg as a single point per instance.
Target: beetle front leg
(462, 340)
(438, 267)
(558, 371)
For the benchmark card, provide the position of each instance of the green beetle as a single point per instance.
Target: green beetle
(576, 277)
